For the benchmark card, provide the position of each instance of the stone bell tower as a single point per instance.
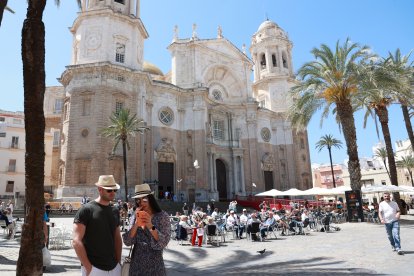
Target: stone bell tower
(273, 70)
(109, 31)
(104, 76)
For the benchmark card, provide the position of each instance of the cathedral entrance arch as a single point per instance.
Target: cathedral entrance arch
(165, 179)
(221, 179)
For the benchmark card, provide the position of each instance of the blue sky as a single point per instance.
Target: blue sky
(384, 25)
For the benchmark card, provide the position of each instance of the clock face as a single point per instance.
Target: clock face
(93, 41)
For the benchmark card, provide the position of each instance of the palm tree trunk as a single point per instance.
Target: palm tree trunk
(332, 171)
(125, 169)
(3, 5)
(408, 125)
(411, 176)
(382, 114)
(345, 113)
(33, 55)
(386, 168)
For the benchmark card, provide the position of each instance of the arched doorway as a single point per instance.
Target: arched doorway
(165, 179)
(221, 179)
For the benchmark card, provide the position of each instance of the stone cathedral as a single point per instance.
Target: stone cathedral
(206, 108)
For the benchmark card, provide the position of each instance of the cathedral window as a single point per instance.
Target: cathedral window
(86, 107)
(217, 95)
(274, 60)
(263, 61)
(166, 116)
(58, 106)
(118, 106)
(265, 133)
(302, 143)
(218, 130)
(120, 53)
(284, 60)
(56, 138)
(120, 2)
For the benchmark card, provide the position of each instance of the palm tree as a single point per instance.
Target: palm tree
(33, 56)
(3, 7)
(328, 141)
(408, 163)
(382, 87)
(404, 71)
(328, 83)
(382, 153)
(124, 125)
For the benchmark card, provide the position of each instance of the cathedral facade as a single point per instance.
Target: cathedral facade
(214, 133)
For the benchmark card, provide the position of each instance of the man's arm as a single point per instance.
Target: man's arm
(118, 244)
(78, 233)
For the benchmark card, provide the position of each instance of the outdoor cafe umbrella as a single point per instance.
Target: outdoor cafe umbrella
(293, 192)
(383, 188)
(273, 193)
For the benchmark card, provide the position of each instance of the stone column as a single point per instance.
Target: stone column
(235, 175)
(242, 184)
(213, 157)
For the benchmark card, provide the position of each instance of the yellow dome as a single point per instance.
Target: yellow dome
(152, 69)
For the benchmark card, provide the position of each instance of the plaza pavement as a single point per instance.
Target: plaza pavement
(358, 249)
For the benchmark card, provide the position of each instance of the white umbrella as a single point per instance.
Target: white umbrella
(272, 192)
(315, 191)
(383, 188)
(293, 192)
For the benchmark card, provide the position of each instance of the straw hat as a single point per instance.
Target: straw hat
(142, 190)
(107, 182)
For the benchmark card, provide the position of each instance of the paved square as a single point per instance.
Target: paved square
(358, 249)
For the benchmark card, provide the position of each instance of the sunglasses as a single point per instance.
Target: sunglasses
(144, 199)
(111, 191)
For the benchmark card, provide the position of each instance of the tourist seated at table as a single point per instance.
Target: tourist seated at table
(253, 218)
(185, 224)
(267, 225)
(295, 221)
(233, 223)
(305, 218)
(280, 222)
(214, 214)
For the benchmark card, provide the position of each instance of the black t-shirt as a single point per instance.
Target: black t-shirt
(101, 222)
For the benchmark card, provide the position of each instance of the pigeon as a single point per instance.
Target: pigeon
(254, 185)
(196, 164)
(262, 251)
(179, 180)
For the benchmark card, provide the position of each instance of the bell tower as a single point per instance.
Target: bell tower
(109, 31)
(273, 70)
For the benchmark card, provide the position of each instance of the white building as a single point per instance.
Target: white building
(206, 108)
(12, 154)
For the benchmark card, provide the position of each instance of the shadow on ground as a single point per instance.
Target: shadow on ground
(245, 263)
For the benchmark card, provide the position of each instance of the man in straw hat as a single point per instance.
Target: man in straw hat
(150, 233)
(96, 234)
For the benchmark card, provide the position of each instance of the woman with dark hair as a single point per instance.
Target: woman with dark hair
(149, 234)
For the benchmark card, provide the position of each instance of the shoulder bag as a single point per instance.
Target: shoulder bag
(126, 264)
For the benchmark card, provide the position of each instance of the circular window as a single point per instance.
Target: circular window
(217, 95)
(265, 133)
(166, 116)
(85, 132)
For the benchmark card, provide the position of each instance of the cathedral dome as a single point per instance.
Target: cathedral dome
(151, 68)
(266, 25)
(268, 30)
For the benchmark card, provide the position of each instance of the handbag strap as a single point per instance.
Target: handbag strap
(130, 251)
